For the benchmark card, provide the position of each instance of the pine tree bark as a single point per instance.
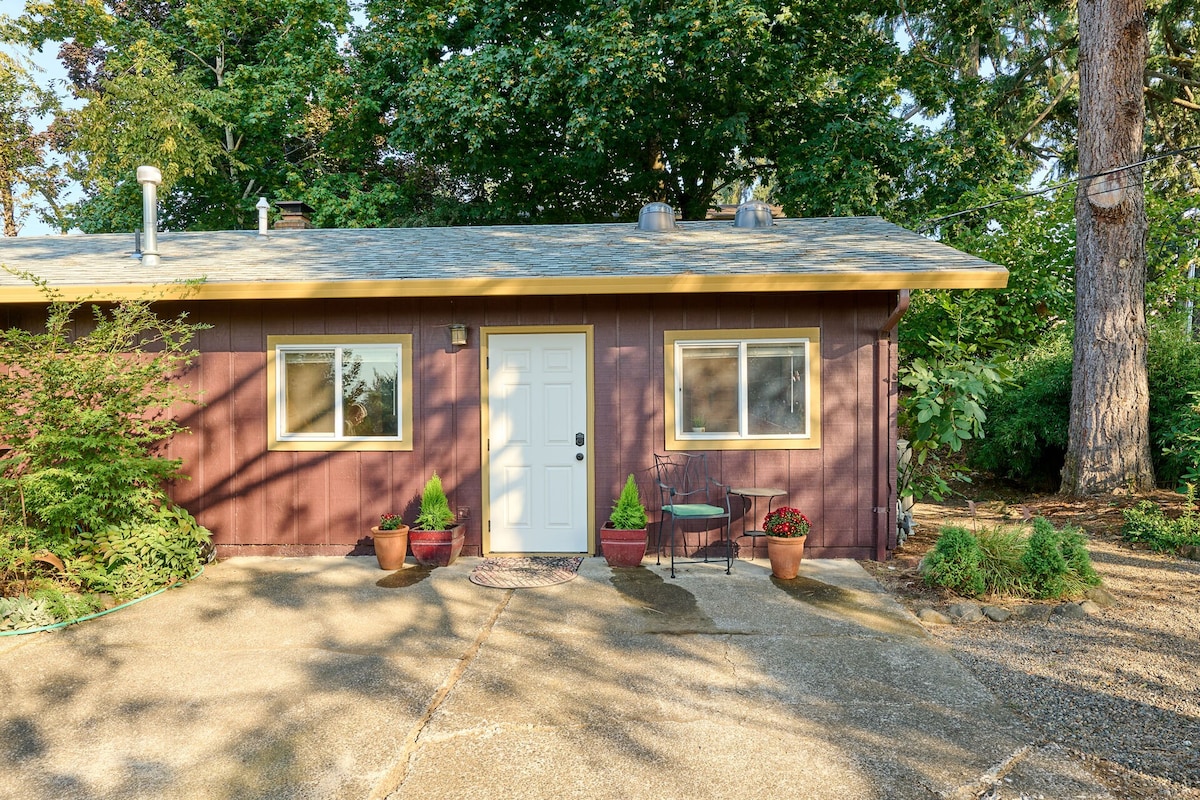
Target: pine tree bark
(1109, 440)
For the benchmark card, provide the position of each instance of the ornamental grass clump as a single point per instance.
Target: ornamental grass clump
(628, 513)
(787, 522)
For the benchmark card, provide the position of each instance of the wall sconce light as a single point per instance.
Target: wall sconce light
(458, 334)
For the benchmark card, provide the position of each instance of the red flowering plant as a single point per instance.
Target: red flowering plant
(787, 522)
(390, 522)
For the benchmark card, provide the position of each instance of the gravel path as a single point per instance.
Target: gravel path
(1121, 689)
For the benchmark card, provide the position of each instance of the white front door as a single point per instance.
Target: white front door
(538, 448)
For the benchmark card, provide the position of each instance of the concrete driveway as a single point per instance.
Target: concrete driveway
(305, 678)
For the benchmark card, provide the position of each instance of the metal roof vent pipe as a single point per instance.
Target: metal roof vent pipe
(149, 178)
(263, 208)
(656, 217)
(754, 214)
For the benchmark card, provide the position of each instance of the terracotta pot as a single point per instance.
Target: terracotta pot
(437, 548)
(621, 547)
(390, 547)
(785, 553)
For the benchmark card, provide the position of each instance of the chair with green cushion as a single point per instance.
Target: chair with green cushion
(690, 494)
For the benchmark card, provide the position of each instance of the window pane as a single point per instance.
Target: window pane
(308, 392)
(710, 389)
(777, 378)
(369, 392)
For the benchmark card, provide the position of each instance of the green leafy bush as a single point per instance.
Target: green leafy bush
(955, 563)
(1146, 524)
(1173, 365)
(1056, 562)
(142, 555)
(19, 613)
(628, 513)
(1026, 428)
(435, 513)
(944, 407)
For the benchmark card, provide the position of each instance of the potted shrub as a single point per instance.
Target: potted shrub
(390, 537)
(623, 537)
(435, 537)
(787, 531)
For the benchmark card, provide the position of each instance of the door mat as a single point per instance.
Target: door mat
(525, 573)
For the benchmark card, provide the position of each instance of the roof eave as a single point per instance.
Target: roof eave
(986, 278)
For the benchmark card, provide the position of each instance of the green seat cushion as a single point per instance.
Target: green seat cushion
(694, 510)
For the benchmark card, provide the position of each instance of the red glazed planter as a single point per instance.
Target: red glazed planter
(622, 548)
(390, 547)
(785, 553)
(437, 548)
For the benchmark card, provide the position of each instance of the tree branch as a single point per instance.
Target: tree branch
(1046, 112)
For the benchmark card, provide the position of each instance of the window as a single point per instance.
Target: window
(743, 389)
(345, 392)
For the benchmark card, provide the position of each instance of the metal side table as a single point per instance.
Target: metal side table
(750, 496)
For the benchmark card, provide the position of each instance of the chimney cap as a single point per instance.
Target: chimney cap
(147, 174)
(294, 207)
(262, 204)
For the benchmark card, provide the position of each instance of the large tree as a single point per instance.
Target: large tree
(225, 96)
(578, 110)
(27, 168)
(1109, 441)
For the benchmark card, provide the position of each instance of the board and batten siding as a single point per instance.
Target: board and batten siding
(260, 502)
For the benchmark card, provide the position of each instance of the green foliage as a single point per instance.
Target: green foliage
(1056, 562)
(84, 414)
(1000, 550)
(944, 408)
(1174, 377)
(1146, 524)
(435, 513)
(1005, 561)
(141, 555)
(1027, 424)
(390, 522)
(628, 513)
(955, 563)
(19, 613)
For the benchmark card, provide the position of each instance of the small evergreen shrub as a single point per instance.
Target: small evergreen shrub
(955, 563)
(628, 513)
(435, 513)
(1173, 371)
(1056, 562)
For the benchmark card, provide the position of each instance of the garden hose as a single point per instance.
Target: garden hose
(126, 604)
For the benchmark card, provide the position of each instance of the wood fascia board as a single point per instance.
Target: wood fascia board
(995, 278)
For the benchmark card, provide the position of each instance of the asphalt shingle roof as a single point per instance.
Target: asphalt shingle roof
(792, 255)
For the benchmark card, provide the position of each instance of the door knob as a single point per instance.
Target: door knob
(579, 456)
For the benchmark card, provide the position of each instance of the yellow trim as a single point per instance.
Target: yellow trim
(811, 442)
(485, 472)
(983, 278)
(406, 391)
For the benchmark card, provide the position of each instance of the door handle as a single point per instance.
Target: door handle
(579, 456)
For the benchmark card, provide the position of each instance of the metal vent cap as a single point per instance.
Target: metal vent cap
(656, 217)
(754, 214)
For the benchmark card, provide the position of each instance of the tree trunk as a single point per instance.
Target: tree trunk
(6, 200)
(1109, 440)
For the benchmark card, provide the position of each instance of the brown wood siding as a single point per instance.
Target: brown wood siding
(283, 502)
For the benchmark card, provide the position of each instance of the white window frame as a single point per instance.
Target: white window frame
(279, 346)
(679, 435)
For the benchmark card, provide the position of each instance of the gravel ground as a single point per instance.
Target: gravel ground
(1120, 689)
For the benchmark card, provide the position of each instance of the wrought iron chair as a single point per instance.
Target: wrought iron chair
(688, 494)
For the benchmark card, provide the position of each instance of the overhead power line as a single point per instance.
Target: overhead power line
(1043, 190)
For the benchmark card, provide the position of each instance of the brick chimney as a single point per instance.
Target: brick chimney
(296, 215)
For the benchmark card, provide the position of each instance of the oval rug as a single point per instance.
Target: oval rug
(525, 573)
